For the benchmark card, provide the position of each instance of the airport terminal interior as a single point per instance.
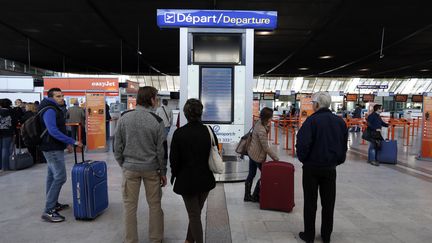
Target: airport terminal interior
(237, 58)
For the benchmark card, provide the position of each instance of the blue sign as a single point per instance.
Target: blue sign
(174, 18)
(368, 86)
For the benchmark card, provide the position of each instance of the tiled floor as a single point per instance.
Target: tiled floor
(374, 204)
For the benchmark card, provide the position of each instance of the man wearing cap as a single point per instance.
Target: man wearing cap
(321, 146)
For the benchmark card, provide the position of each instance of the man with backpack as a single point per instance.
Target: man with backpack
(53, 144)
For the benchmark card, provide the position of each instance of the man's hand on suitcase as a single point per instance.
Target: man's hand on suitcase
(79, 144)
(163, 181)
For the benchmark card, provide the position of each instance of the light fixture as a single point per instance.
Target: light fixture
(424, 70)
(139, 52)
(364, 69)
(325, 57)
(303, 68)
(264, 32)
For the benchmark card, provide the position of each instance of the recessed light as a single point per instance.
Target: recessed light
(325, 57)
(303, 68)
(424, 70)
(264, 32)
(364, 69)
(31, 30)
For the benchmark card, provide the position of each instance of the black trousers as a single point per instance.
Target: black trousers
(194, 205)
(324, 181)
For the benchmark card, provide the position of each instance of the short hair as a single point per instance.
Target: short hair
(5, 103)
(266, 114)
(377, 107)
(193, 110)
(165, 102)
(323, 99)
(145, 94)
(52, 90)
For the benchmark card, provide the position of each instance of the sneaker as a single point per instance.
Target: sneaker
(52, 216)
(59, 207)
(375, 163)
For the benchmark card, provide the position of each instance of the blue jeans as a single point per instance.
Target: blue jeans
(56, 177)
(253, 165)
(371, 152)
(5, 150)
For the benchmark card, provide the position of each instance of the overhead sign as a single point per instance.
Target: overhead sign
(367, 86)
(82, 84)
(175, 18)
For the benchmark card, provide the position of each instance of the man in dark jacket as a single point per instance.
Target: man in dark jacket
(54, 142)
(375, 124)
(356, 115)
(321, 146)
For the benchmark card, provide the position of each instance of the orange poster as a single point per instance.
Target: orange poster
(95, 114)
(255, 108)
(131, 103)
(306, 108)
(426, 149)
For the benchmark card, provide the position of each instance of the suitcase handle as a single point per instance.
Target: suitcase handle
(75, 154)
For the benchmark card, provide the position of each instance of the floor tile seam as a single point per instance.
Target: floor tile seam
(408, 170)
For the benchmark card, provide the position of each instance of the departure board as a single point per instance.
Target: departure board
(216, 93)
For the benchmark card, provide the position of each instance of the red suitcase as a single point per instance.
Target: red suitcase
(277, 186)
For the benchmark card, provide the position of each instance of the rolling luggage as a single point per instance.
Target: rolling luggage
(388, 152)
(20, 160)
(89, 188)
(277, 186)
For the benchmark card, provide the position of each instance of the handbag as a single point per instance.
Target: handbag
(244, 143)
(215, 160)
(20, 160)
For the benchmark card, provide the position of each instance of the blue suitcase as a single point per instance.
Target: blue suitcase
(89, 188)
(388, 152)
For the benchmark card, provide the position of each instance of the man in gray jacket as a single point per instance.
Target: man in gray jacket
(139, 151)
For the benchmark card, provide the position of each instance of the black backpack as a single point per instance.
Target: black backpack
(31, 130)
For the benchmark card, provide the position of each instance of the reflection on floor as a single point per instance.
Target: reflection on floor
(374, 204)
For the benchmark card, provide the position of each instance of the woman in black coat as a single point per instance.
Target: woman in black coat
(190, 149)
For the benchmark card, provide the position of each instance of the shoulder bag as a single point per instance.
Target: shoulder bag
(215, 160)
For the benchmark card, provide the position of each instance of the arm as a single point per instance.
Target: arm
(160, 138)
(119, 143)
(304, 141)
(262, 135)
(49, 118)
(174, 158)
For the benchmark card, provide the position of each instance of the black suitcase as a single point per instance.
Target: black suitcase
(20, 160)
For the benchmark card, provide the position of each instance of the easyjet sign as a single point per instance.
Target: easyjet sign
(82, 84)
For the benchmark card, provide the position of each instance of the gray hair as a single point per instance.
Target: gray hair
(322, 98)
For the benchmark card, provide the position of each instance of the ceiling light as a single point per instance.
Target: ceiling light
(139, 52)
(364, 69)
(264, 32)
(424, 70)
(303, 68)
(325, 57)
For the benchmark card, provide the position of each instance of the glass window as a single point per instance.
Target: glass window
(279, 84)
(260, 85)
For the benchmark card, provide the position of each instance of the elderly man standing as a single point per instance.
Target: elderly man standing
(321, 146)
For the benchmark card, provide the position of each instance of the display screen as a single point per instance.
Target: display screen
(269, 96)
(401, 98)
(417, 98)
(256, 96)
(217, 48)
(368, 98)
(351, 97)
(216, 94)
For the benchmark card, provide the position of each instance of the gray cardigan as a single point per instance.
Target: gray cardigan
(138, 143)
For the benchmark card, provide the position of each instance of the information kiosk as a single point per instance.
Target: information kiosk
(216, 66)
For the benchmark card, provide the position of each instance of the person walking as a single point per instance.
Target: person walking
(76, 114)
(321, 146)
(374, 126)
(54, 141)
(8, 123)
(257, 152)
(138, 149)
(190, 149)
(166, 114)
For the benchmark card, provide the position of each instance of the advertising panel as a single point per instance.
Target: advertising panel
(426, 149)
(132, 88)
(95, 115)
(306, 108)
(131, 102)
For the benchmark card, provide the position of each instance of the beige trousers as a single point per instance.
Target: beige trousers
(131, 187)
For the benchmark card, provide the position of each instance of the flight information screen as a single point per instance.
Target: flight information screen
(216, 94)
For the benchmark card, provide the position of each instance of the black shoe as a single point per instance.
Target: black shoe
(303, 237)
(59, 207)
(324, 240)
(52, 216)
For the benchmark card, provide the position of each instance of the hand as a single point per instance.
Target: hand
(79, 144)
(163, 181)
(378, 130)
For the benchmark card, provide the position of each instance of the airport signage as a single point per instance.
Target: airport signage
(175, 18)
(367, 86)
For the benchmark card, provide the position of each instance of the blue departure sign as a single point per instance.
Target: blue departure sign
(174, 18)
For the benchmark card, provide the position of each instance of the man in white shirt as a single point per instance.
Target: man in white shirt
(166, 114)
